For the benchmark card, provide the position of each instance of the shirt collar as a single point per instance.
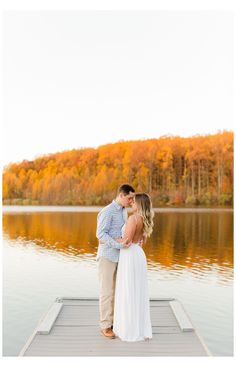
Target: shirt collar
(118, 206)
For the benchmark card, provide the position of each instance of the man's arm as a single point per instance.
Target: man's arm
(103, 226)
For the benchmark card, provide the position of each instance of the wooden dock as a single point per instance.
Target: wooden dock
(71, 328)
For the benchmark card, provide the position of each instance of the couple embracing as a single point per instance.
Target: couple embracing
(122, 266)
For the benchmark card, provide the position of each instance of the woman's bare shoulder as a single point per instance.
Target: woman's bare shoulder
(131, 217)
(135, 218)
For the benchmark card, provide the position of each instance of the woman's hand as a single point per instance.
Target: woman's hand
(126, 243)
(123, 241)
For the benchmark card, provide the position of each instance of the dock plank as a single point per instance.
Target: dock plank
(85, 341)
(48, 321)
(75, 332)
(71, 315)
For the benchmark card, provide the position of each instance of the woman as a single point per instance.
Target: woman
(132, 310)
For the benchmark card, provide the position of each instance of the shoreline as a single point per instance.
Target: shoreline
(94, 209)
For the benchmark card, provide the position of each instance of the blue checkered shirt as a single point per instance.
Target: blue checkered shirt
(110, 221)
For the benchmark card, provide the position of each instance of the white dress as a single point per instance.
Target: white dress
(131, 321)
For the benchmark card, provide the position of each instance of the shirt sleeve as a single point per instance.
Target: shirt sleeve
(103, 225)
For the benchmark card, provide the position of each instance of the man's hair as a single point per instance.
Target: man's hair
(125, 189)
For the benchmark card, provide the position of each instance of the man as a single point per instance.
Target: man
(110, 221)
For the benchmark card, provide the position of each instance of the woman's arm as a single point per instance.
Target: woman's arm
(124, 241)
(130, 228)
(129, 232)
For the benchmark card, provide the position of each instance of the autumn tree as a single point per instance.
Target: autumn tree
(172, 169)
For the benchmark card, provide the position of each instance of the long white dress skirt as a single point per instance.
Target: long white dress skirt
(131, 320)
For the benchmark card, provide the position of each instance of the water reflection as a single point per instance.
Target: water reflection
(199, 242)
(49, 254)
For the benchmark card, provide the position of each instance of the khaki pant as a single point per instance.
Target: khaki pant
(107, 279)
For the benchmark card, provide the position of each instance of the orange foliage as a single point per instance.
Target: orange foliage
(173, 170)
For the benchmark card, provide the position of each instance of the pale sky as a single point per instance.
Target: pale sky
(84, 78)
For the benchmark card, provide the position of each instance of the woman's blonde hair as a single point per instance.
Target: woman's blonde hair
(145, 210)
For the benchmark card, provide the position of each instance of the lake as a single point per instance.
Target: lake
(50, 252)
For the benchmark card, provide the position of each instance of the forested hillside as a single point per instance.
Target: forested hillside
(173, 170)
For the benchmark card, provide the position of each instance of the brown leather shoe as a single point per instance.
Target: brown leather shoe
(108, 333)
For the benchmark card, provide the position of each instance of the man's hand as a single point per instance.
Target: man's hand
(140, 243)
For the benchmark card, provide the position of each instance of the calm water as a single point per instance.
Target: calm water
(48, 254)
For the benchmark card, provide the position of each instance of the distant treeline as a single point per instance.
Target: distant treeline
(197, 170)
